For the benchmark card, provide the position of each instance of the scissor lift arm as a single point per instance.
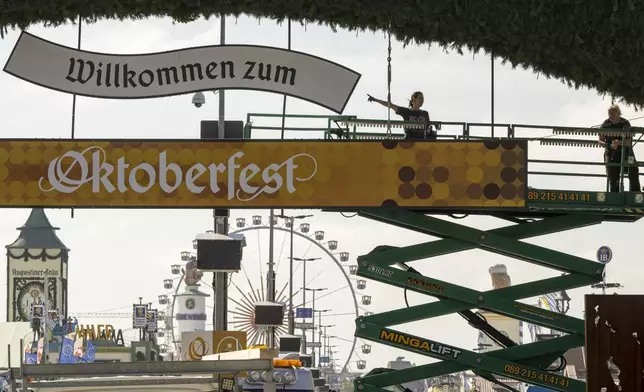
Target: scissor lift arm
(528, 363)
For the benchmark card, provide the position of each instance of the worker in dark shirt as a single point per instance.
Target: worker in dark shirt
(413, 113)
(613, 151)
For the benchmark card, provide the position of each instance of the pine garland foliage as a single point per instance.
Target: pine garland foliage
(585, 43)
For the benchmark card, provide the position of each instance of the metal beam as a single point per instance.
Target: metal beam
(120, 382)
(523, 354)
(145, 368)
(448, 246)
(492, 301)
(488, 362)
(487, 240)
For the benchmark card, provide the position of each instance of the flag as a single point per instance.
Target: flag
(67, 351)
(41, 343)
(5, 384)
(31, 358)
(90, 353)
(28, 346)
(78, 346)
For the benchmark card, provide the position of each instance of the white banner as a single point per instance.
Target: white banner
(139, 316)
(240, 67)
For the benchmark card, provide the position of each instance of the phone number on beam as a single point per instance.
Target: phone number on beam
(548, 378)
(559, 196)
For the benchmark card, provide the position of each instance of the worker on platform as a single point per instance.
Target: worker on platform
(412, 113)
(614, 146)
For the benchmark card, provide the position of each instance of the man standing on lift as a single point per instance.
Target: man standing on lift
(613, 151)
(412, 114)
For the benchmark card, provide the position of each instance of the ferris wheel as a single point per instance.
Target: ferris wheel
(325, 290)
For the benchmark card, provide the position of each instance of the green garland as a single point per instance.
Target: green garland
(586, 43)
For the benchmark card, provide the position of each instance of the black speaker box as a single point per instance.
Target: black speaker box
(319, 382)
(290, 343)
(232, 129)
(219, 255)
(268, 314)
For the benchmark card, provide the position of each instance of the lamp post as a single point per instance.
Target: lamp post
(327, 353)
(313, 323)
(319, 312)
(329, 364)
(270, 277)
(305, 289)
(320, 326)
(304, 274)
(325, 344)
(603, 285)
(304, 261)
(219, 279)
(291, 316)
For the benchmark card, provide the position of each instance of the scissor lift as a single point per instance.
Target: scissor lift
(547, 211)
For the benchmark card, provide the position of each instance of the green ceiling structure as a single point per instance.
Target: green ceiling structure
(585, 43)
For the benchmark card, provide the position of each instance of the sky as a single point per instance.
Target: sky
(118, 256)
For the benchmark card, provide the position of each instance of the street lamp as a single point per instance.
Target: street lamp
(291, 317)
(320, 334)
(305, 289)
(319, 312)
(326, 348)
(327, 354)
(304, 261)
(563, 301)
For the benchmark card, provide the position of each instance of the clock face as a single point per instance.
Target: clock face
(33, 293)
(190, 303)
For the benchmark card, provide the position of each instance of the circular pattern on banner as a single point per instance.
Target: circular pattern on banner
(467, 174)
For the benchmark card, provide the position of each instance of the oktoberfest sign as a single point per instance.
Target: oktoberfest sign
(243, 67)
(261, 174)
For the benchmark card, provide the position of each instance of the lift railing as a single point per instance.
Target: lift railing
(350, 127)
(305, 126)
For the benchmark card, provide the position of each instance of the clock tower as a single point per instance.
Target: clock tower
(37, 254)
